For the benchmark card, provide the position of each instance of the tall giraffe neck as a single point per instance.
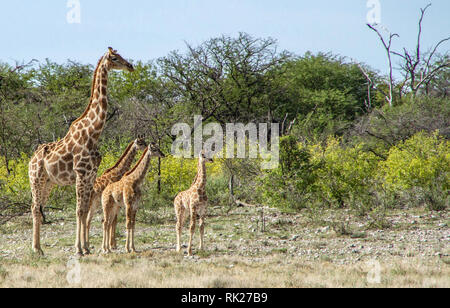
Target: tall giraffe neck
(124, 163)
(94, 117)
(201, 173)
(137, 174)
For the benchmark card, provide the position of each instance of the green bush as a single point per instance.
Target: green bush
(347, 173)
(292, 184)
(421, 164)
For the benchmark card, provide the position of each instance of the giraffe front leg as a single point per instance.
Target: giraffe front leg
(128, 226)
(192, 230)
(108, 208)
(202, 231)
(113, 242)
(84, 187)
(112, 232)
(133, 226)
(92, 209)
(106, 232)
(95, 160)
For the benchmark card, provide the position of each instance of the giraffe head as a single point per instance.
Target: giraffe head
(116, 61)
(203, 156)
(140, 143)
(155, 151)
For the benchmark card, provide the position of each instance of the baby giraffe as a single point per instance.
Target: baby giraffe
(195, 201)
(112, 175)
(126, 193)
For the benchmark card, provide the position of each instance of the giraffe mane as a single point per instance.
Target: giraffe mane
(92, 93)
(138, 163)
(121, 158)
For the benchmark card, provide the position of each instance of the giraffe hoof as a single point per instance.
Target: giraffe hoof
(86, 251)
(79, 254)
(38, 251)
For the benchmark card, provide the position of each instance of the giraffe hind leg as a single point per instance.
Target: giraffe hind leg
(180, 213)
(193, 217)
(40, 190)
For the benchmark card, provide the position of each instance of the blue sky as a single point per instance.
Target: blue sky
(148, 29)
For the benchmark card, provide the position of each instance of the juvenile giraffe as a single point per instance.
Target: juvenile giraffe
(112, 175)
(75, 158)
(195, 201)
(125, 193)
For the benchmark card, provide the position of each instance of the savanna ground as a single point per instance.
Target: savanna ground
(287, 250)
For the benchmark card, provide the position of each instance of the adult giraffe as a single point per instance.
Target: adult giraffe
(75, 158)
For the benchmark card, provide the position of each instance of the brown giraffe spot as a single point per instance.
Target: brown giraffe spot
(76, 136)
(68, 157)
(62, 150)
(92, 115)
(77, 149)
(70, 146)
(90, 144)
(86, 123)
(99, 125)
(96, 135)
(84, 137)
(69, 166)
(64, 176)
(62, 166)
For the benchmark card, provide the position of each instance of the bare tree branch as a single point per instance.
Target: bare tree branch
(387, 47)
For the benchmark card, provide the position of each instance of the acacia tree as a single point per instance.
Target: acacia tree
(17, 99)
(227, 79)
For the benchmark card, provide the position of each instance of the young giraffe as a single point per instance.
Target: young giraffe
(74, 159)
(195, 201)
(125, 193)
(112, 175)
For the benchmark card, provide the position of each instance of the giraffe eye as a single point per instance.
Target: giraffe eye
(114, 59)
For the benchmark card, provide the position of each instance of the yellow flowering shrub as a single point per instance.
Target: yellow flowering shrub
(418, 162)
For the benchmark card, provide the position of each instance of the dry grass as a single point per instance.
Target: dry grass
(236, 256)
(169, 270)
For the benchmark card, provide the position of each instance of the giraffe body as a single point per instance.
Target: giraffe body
(125, 193)
(75, 158)
(193, 202)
